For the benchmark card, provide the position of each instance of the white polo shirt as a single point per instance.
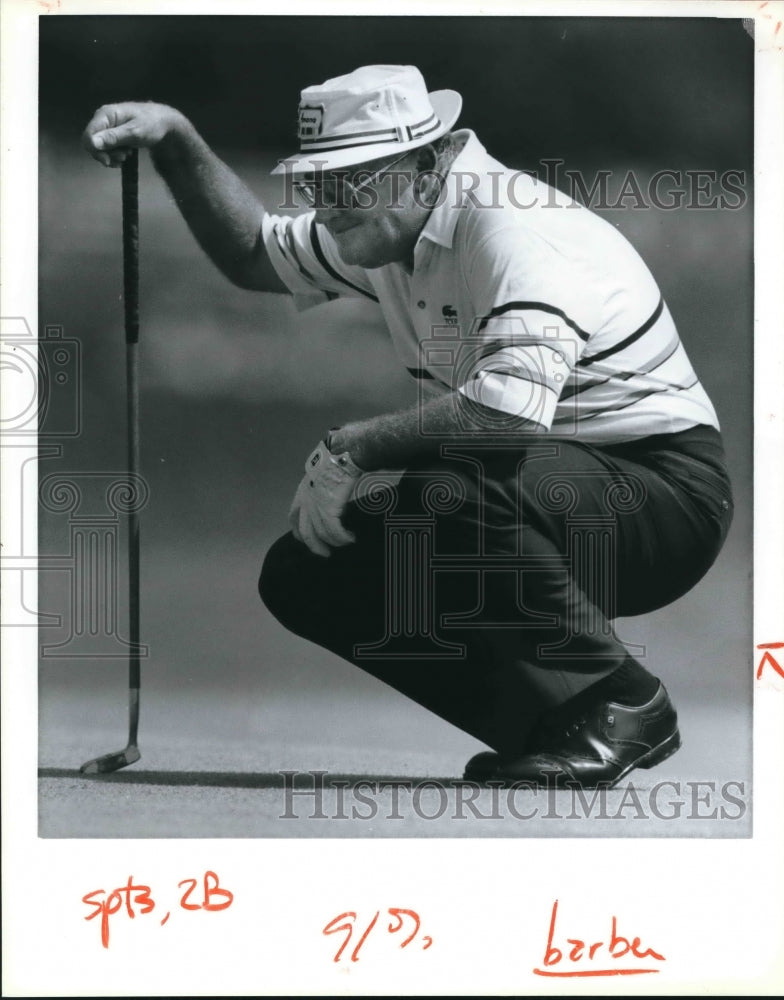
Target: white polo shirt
(523, 300)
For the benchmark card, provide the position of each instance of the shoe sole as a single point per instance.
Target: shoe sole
(660, 753)
(656, 755)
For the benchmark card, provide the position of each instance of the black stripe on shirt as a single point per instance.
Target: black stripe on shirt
(523, 375)
(638, 399)
(509, 343)
(286, 254)
(539, 306)
(295, 256)
(571, 391)
(423, 373)
(328, 267)
(583, 362)
(289, 254)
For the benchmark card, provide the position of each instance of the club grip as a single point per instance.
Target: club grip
(130, 225)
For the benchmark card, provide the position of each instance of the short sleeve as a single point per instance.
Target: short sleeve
(306, 260)
(534, 310)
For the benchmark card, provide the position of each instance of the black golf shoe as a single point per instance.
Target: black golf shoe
(482, 766)
(588, 742)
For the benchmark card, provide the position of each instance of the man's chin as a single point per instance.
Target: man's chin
(358, 247)
(359, 256)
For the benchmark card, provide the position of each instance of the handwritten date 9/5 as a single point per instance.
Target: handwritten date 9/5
(136, 900)
(346, 922)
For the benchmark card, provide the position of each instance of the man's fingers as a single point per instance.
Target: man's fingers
(119, 156)
(329, 529)
(333, 532)
(112, 145)
(318, 528)
(294, 513)
(114, 159)
(100, 121)
(310, 536)
(101, 124)
(125, 135)
(115, 129)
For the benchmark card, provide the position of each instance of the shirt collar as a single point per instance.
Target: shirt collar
(440, 225)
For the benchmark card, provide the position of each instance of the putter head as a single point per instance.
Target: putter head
(111, 761)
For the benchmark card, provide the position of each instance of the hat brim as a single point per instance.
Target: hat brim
(446, 104)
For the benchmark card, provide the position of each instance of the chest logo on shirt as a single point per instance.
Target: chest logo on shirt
(450, 315)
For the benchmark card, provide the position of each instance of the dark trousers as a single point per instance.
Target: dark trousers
(482, 585)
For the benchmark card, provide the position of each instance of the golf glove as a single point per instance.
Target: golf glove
(321, 499)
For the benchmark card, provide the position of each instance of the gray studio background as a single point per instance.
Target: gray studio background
(236, 387)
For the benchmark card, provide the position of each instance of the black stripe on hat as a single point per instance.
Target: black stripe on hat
(418, 130)
(326, 144)
(387, 134)
(425, 121)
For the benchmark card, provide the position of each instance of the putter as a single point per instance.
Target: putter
(130, 225)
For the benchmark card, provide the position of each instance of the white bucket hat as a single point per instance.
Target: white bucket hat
(368, 114)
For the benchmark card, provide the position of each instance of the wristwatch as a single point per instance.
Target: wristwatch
(328, 439)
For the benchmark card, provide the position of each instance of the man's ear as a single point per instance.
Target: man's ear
(426, 158)
(428, 182)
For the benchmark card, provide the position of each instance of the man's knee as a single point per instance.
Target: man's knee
(309, 594)
(280, 582)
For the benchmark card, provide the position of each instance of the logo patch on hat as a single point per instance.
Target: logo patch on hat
(311, 120)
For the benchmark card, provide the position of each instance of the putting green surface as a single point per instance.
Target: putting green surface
(312, 768)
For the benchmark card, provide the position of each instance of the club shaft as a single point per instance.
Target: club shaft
(130, 220)
(134, 555)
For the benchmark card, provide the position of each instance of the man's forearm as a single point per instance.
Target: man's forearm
(221, 211)
(223, 214)
(395, 440)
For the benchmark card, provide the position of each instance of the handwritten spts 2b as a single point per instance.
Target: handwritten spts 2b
(136, 900)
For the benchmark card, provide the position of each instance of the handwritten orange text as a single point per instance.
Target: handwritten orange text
(576, 957)
(768, 657)
(770, 16)
(347, 922)
(135, 900)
